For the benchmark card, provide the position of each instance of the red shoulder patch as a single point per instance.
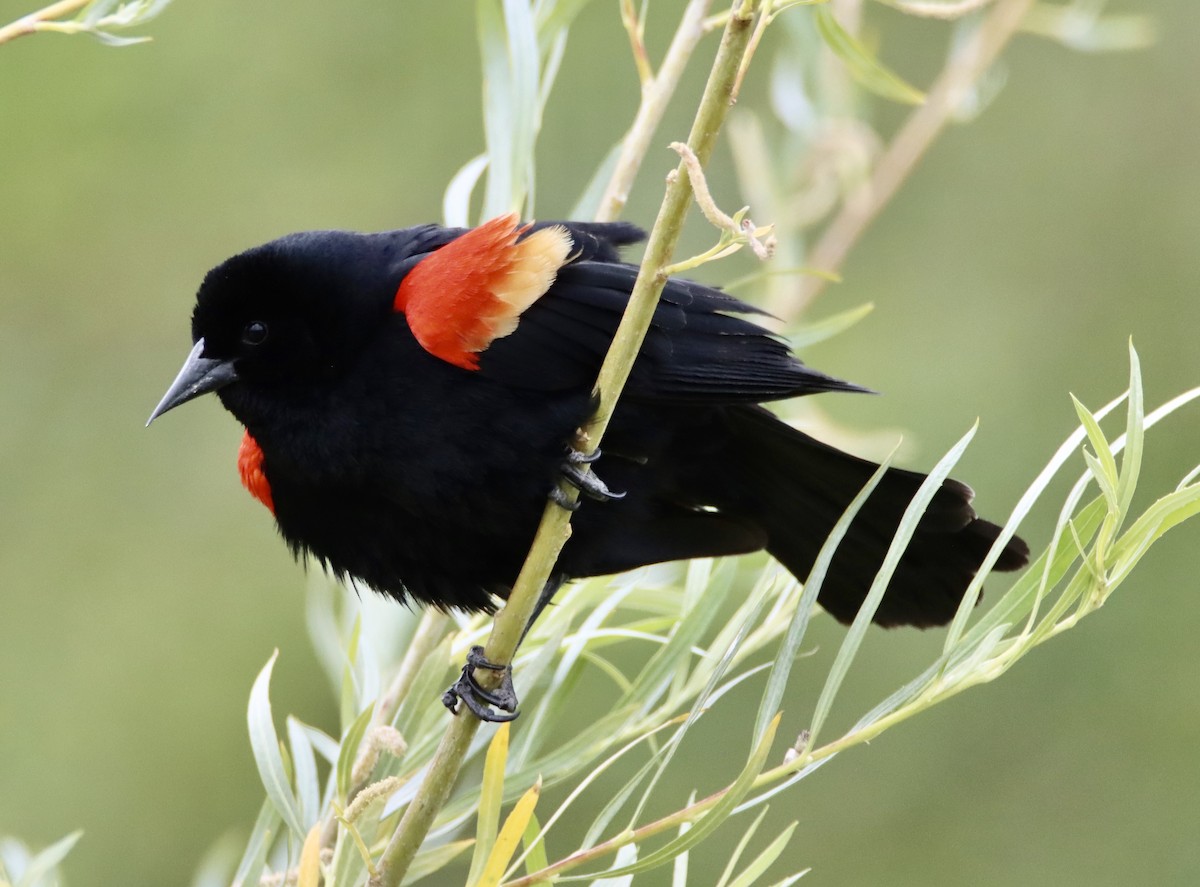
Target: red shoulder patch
(462, 297)
(250, 459)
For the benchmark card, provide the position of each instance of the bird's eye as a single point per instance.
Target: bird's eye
(254, 333)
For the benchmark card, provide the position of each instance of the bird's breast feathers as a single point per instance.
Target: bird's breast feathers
(250, 467)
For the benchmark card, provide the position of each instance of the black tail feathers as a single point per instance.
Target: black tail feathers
(796, 488)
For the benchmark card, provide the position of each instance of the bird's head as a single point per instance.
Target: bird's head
(288, 316)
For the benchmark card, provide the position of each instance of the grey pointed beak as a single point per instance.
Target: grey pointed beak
(199, 375)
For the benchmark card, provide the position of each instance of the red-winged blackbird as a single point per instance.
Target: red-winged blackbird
(409, 397)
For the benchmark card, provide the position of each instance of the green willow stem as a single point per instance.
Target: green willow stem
(554, 529)
(425, 639)
(656, 96)
(30, 24)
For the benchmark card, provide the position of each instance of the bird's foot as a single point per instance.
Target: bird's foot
(479, 699)
(562, 500)
(583, 480)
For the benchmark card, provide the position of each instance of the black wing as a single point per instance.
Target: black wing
(697, 349)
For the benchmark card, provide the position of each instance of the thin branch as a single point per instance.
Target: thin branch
(32, 23)
(635, 27)
(555, 525)
(656, 95)
(908, 147)
(736, 230)
(429, 632)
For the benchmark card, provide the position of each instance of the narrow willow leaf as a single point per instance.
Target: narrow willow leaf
(1073, 498)
(1103, 480)
(679, 867)
(764, 860)
(789, 647)
(904, 532)
(498, 110)
(456, 204)
(651, 681)
(426, 862)
(351, 740)
(47, 860)
(740, 848)
(261, 837)
(320, 617)
(619, 799)
(597, 616)
(743, 621)
(491, 796)
(625, 857)
(535, 846)
(96, 10)
(510, 836)
(348, 865)
(589, 201)
(348, 700)
(565, 758)
(110, 39)
(610, 669)
(1135, 422)
(1065, 451)
(152, 9)
(734, 681)
(709, 668)
(552, 699)
(524, 64)
(552, 57)
(1166, 513)
(620, 796)
(967, 664)
(554, 19)
(1104, 466)
(309, 870)
(862, 65)
(368, 672)
(791, 879)
(781, 787)
(819, 331)
(423, 695)
(708, 821)
(324, 744)
(304, 763)
(699, 577)
(264, 742)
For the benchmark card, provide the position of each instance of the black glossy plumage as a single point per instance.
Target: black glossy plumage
(426, 481)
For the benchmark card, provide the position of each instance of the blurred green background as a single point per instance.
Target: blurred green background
(141, 589)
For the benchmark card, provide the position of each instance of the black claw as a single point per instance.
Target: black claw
(477, 698)
(504, 696)
(579, 457)
(559, 498)
(585, 481)
(588, 484)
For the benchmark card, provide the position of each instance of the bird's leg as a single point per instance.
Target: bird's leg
(583, 480)
(478, 698)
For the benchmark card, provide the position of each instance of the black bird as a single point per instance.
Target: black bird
(409, 398)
